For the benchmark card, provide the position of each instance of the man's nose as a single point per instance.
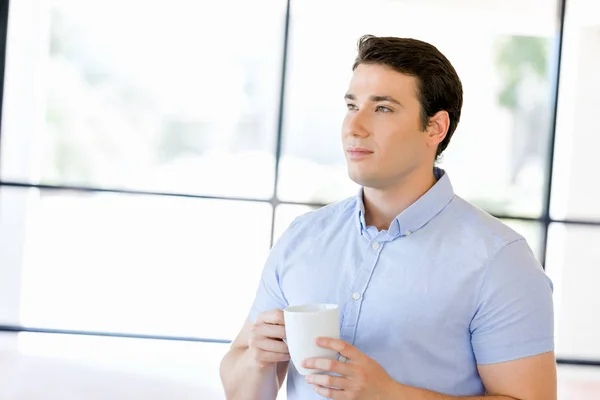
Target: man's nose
(356, 125)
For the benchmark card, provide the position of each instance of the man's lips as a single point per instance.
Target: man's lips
(357, 152)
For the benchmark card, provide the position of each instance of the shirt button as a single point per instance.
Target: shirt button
(356, 296)
(375, 245)
(407, 233)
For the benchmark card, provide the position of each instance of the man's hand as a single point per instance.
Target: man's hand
(266, 339)
(361, 377)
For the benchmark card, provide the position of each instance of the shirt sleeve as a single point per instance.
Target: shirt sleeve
(514, 316)
(269, 295)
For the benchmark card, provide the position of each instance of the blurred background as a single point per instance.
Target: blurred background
(151, 152)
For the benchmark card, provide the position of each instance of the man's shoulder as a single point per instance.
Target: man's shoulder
(480, 227)
(324, 217)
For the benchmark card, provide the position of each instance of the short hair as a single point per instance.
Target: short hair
(438, 85)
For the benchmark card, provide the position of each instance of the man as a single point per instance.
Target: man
(439, 300)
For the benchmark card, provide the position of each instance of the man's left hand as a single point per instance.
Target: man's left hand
(360, 377)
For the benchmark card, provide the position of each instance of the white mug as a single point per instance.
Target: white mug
(303, 325)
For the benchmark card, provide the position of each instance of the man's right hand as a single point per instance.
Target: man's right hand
(266, 344)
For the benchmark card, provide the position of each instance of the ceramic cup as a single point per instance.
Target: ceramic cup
(303, 325)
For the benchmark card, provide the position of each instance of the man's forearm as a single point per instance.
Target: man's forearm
(403, 392)
(243, 380)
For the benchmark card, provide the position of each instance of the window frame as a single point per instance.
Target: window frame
(545, 219)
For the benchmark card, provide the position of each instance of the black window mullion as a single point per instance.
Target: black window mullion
(546, 217)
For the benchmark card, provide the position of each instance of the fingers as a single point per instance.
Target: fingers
(329, 393)
(331, 387)
(325, 364)
(266, 344)
(274, 317)
(266, 351)
(274, 346)
(342, 347)
(267, 357)
(270, 331)
(330, 381)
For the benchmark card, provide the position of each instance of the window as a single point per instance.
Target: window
(104, 115)
(573, 254)
(144, 264)
(497, 158)
(573, 260)
(169, 99)
(141, 182)
(575, 194)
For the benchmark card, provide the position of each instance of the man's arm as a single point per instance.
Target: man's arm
(257, 363)
(530, 378)
(253, 367)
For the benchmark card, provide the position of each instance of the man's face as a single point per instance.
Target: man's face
(381, 133)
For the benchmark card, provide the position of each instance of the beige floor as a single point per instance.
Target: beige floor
(58, 367)
(33, 378)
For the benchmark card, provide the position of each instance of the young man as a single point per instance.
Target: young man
(439, 300)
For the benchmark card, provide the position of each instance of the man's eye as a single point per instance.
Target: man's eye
(383, 109)
(351, 107)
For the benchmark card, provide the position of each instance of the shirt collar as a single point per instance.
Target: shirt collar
(419, 213)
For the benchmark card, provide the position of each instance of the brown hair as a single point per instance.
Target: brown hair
(438, 85)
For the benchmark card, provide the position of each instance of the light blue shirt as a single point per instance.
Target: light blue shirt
(445, 288)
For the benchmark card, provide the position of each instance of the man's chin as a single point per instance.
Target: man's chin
(362, 179)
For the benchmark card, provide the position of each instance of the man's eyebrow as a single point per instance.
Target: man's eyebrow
(384, 98)
(375, 99)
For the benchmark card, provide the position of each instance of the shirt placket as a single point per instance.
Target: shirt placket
(359, 287)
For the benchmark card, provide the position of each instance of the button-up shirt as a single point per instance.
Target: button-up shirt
(446, 287)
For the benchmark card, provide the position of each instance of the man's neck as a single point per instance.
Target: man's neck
(382, 206)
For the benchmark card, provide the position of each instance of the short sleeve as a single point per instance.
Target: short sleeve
(514, 316)
(269, 295)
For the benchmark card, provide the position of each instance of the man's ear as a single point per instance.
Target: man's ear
(437, 128)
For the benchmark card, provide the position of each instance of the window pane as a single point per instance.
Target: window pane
(150, 97)
(574, 194)
(142, 264)
(573, 261)
(285, 214)
(531, 231)
(497, 156)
